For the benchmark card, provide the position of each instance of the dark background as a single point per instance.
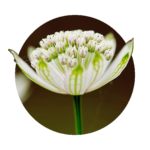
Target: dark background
(100, 107)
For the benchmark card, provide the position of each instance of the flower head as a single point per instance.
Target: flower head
(75, 62)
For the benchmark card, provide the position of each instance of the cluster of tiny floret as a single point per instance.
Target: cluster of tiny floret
(69, 45)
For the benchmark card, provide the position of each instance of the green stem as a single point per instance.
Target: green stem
(77, 111)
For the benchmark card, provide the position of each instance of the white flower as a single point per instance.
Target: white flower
(75, 62)
(22, 85)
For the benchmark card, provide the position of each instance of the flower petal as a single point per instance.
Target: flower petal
(49, 74)
(75, 81)
(60, 68)
(116, 67)
(30, 73)
(30, 49)
(95, 68)
(99, 63)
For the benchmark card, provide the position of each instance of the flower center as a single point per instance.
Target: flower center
(70, 47)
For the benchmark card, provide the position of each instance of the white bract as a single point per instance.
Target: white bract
(75, 62)
(22, 85)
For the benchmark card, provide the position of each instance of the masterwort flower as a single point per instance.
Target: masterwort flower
(75, 62)
(22, 85)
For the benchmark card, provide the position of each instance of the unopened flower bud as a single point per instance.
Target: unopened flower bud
(46, 41)
(49, 42)
(91, 45)
(60, 34)
(65, 42)
(77, 32)
(34, 63)
(108, 54)
(98, 37)
(72, 51)
(36, 54)
(85, 35)
(52, 39)
(66, 34)
(81, 42)
(72, 62)
(72, 39)
(42, 44)
(46, 56)
(52, 52)
(68, 51)
(100, 47)
(91, 34)
(63, 59)
(58, 37)
(83, 51)
(60, 47)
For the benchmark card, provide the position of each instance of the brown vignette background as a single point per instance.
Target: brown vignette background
(100, 107)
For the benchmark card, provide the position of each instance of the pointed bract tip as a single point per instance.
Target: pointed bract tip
(132, 45)
(111, 33)
(132, 40)
(10, 50)
(110, 36)
(30, 46)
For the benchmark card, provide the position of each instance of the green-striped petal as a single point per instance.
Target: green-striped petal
(75, 81)
(31, 74)
(116, 67)
(95, 68)
(60, 68)
(99, 63)
(50, 75)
